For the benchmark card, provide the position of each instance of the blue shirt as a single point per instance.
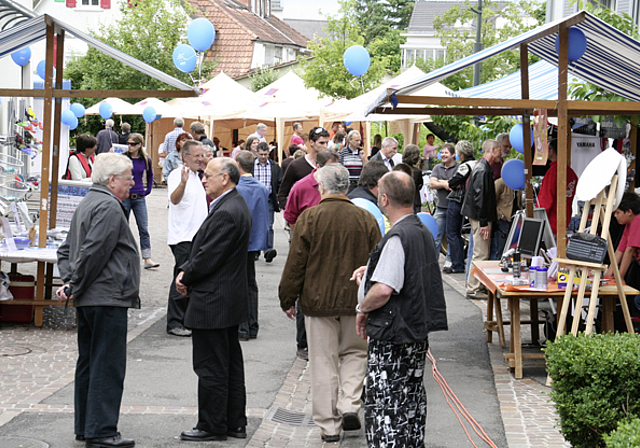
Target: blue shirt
(256, 196)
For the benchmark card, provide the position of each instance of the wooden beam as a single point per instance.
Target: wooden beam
(55, 163)
(619, 107)
(61, 93)
(526, 125)
(563, 143)
(477, 102)
(126, 93)
(563, 25)
(455, 111)
(633, 136)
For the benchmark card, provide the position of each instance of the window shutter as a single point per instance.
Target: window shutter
(105, 4)
(71, 3)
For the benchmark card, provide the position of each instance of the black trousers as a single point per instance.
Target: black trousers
(251, 327)
(218, 363)
(301, 331)
(177, 302)
(99, 380)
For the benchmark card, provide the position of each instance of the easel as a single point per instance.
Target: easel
(602, 212)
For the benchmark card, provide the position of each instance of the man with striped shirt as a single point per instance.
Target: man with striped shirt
(352, 157)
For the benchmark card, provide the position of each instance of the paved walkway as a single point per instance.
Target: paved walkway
(37, 367)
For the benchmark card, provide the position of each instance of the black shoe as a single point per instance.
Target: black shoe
(242, 338)
(253, 336)
(197, 435)
(80, 438)
(330, 439)
(303, 353)
(256, 257)
(351, 421)
(449, 270)
(270, 255)
(238, 433)
(108, 442)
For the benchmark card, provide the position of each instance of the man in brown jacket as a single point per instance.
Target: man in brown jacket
(329, 242)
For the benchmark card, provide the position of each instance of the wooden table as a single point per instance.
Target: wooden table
(491, 276)
(30, 255)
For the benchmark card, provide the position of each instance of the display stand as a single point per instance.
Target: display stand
(602, 213)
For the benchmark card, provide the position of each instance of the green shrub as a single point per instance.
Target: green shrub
(626, 436)
(596, 384)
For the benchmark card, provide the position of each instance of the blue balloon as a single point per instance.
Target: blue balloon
(201, 34)
(21, 57)
(430, 222)
(184, 58)
(348, 123)
(356, 60)
(516, 138)
(40, 69)
(149, 114)
(105, 110)
(77, 109)
(513, 174)
(371, 208)
(67, 117)
(74, 124)
(577, 44)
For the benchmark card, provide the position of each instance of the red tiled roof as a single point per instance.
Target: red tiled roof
(236, 31)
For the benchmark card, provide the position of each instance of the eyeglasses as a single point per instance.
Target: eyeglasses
(132, 143)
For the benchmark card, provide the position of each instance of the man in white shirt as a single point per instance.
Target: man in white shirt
(386, 153)
(261, 132)
(187, 212)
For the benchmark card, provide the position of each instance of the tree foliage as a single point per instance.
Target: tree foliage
(262, 78)
(325, 71)
(457, 32)
(386, 20)
(148, 31)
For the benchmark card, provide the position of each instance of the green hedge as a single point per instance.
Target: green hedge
(626, 436)
(596, 384)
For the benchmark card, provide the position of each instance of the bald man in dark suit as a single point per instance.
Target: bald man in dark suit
(215, 279)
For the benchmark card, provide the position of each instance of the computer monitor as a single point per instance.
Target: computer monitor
(547, 237)
(514, 232)
(530, 237)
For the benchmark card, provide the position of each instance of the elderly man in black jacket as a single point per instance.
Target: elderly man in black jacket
(215, 279)
(480, 207)
(401, 302)
(99, 264)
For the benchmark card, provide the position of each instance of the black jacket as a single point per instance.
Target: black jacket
(363, 192)
(480, 198)
(419, 308)
(276, 181)
(458, 182)
(216, 271)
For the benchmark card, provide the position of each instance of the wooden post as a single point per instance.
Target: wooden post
(526, 125)
(633, 137)
(563, 148)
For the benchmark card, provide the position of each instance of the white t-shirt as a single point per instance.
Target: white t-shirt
(187, 216)
(390, 268)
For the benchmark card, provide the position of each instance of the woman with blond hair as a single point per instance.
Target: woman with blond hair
(143, 177)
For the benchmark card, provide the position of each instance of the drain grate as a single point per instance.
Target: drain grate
(279, 415)
(21, 442)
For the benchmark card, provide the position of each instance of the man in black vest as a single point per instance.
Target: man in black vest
(401, 302)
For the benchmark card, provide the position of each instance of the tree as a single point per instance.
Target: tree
(262, 78)
(325, 71)
(457, 32)
(148, 31)
(384, 20)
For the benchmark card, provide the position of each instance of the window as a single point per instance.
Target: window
(440, 53)
(277, 55)
(410, 56)
(90, 2)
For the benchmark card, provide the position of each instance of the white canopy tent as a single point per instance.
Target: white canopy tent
(356, 108)
(120, 107)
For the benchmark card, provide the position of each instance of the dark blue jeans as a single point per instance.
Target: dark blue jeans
(139, 207)
(99, 381)
(499, 239)
(454, 235)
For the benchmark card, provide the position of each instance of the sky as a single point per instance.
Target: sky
(306, 9)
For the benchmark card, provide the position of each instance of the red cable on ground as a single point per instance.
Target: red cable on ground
(448, 394)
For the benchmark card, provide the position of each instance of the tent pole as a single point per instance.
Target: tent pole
(633, 137)
(57, 134)
(528, 163)
(563, 147)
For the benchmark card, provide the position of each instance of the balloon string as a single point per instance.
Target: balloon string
(362, 82)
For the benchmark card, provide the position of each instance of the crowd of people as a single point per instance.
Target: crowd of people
(364, 304)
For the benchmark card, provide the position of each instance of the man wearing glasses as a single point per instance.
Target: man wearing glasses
(187, 211)
(352, 157)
